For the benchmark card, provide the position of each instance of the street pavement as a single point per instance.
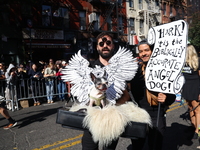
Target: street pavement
(178, 134)
(37, 130)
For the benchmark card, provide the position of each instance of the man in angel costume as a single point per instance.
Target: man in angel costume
(105, 48)
(149, 101)
(105, 124)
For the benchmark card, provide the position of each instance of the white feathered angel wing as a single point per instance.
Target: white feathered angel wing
(78, 74)
(122, 67)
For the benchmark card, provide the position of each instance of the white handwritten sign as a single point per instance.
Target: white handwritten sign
(163, 71)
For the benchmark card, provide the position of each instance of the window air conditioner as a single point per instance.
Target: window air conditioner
(83, 28)
(92, 17)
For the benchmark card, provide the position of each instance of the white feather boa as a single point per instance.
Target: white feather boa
(109, 123)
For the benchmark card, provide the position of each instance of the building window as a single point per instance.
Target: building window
(97, 22)
(46, 15)
(141, 26)
(132, 24)
(61, 17)
(109, 23)
(65, 15)
(157, 2)
(131, 3)
(64, 12)
(82, 16)
(120, 29)
(140, 4)
(164, 9)
(120, 2)
(55, 17)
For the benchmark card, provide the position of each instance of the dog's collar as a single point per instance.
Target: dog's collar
(100, 98)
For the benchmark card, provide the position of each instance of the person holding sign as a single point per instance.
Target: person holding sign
(149, 101)
(190, 90)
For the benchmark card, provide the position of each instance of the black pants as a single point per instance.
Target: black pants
(154, 138)
(89, 144)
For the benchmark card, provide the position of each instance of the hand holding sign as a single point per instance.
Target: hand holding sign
(163, 71)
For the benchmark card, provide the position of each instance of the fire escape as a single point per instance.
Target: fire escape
(108, 10)
(150, 15)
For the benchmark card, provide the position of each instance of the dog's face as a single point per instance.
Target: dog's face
(100, 83)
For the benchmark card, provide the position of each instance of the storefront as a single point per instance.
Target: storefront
(44, 51)
(44, 44)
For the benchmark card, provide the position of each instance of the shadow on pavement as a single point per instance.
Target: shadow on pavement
(33, 115)
(177, 135)
(40, 116)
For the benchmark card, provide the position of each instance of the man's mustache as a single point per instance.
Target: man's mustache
(105, 48)
(144, 56)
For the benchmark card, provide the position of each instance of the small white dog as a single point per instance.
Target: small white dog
(98, 91)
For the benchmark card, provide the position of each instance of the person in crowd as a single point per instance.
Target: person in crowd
(22, 82)
(60, 84)
(105, 51)
(51, 61)
(28, 65)
(5, 114)
(190, 90)
(2, 78)
(64, 64)
(149, 101)
(35, 75)
(58, 62)
(2, 71)
(41, 65)
(11, 80)
(49, 75)
(45, 66)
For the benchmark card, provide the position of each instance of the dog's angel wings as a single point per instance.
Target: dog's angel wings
(77, 72)
(122, 67)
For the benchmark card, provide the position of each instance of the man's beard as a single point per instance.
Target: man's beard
(106, 55)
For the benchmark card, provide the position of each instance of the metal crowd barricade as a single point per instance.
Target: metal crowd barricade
(27, 89)
(2, 87)
(8, 95)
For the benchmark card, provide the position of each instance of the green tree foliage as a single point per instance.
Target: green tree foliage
(194, 32)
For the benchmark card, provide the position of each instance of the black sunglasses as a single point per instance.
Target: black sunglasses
(104, 40)
(102, 43)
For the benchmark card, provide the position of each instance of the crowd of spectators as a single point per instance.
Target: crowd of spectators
(17, 74)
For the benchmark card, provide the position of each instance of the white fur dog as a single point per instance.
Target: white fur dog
(115, 119)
